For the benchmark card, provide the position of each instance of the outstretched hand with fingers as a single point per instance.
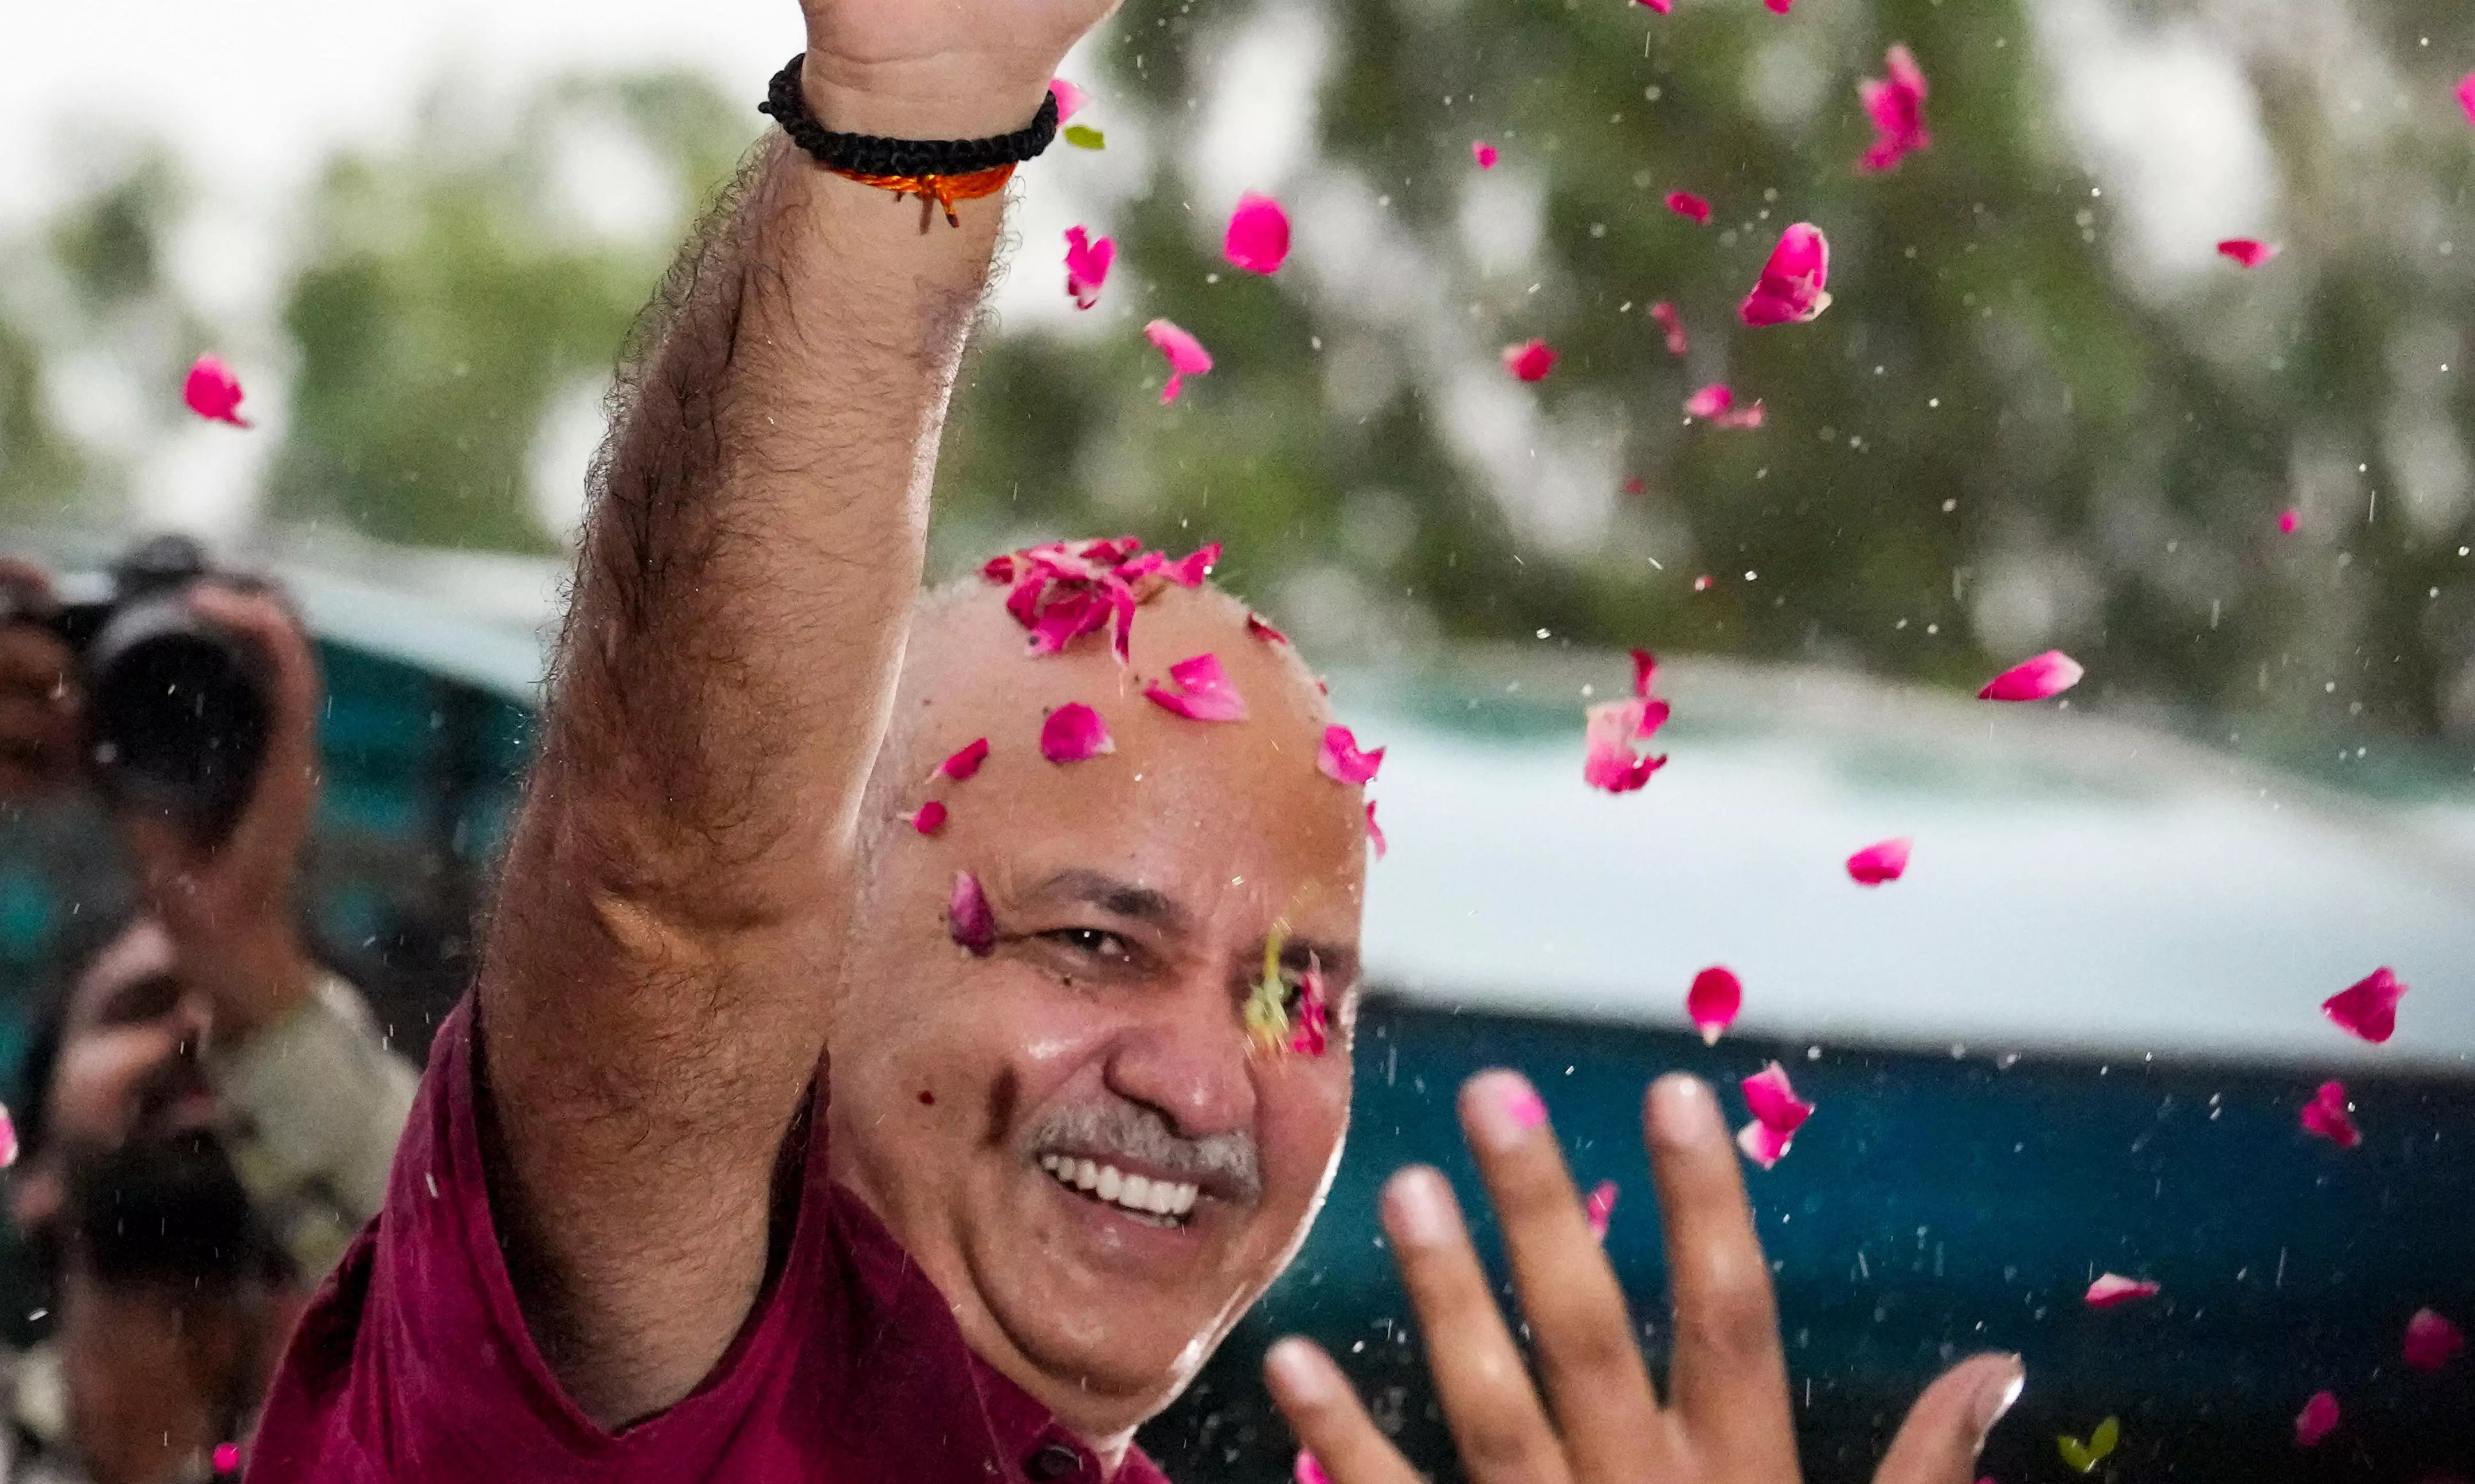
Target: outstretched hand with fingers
(1725, 1416)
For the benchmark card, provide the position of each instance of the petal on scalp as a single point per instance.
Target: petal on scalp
(968, 918)
(1069, 98)
(1709, 402)
(1683, 203)
(1205, 692)
(2368, 1007)
(1073, 733)
(1190, 569)
(1342, 760)
(2247, 252)
(1763, 1144)
(1530, 360)
(1484, 153)
(2316, 1421)
(213, 393)
(1677, 343)
(1259, 629)
(928, 818)
(1881, 862)
(1791, 289)
(1066, 618)
(1600, 1207)
(966, 760)
(1374, 835)
(2432, 1341)
(2113, 1288)
(1774, 1101)
(999, 569)
(1712, 1003)
(2328, 1116)
(2048, 674)
(1258, 238)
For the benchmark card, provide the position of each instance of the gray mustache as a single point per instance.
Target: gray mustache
(1224, 1162)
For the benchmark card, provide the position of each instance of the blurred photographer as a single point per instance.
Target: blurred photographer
(207, 1113)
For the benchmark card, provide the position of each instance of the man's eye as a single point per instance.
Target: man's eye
(1097, 942)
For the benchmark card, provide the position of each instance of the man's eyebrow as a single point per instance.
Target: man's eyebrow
(1120, 898)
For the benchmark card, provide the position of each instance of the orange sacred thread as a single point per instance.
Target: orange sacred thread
(942, 189)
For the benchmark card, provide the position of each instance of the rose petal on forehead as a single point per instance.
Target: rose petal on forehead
(1484, 153)
(1342, 760)
(9, 1126)
(1763, 1144)
(1258, 238)
(1600, 1207)
(2113, 1288)
(1683, 203)
(2316, 1421)
(2247, 252)
(2432, 1341)
(2048, 674)
(1673, 323)
(1530, 360)
(2369, 1006)
(1209, 693)
(1309, 1472)
(966, 760)
(1069, 98)
(1881, 862)
(1774, 1101)
(2328, 1116)
(928, 818)
(1712, 1003)
(1791, 289)
(1375, 832)
(968, 918)
(1190, 569)
(213, 393)
(1074, 732)
(1264, 631)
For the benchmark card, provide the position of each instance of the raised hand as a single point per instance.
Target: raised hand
(938, 69)
(1726, 1419)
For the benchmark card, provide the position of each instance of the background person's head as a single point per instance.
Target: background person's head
(1132, 895)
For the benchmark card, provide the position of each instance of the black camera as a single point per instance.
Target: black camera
(177, 708)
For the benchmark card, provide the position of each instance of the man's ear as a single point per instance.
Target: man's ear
(36, 1195)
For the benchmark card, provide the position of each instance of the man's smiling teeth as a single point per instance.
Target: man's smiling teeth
(1134, 1192)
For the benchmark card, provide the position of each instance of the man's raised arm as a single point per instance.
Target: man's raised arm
(653, 993)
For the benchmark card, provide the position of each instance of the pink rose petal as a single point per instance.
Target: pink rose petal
(2247, 252)
(1662, 7)
(2369, 1006)
(1314, 1014)
(2290, 521)
(1644, 672)
(2113, 1288)
(1635, 484)
(1209, 694)
(2466, 95)
(1611, 730)
(1069, 98)
(1255, 626)
(226, 1458)
(1877, 864)
(1186, 356)
(1309, 1472)
(1190, 570)
(968, 918)
(1484, 153)
(1086, 266)
(1073, 733)
(2316, 1421)
(1897, 104)
(1778, 6)
(1341, 761)
(1763, 1144)
(1772, 1102)
(1666, 315)
(2431, 1341)
(8, 1139)
(1712, 1003)
(966, 760)
(2048, 674)
(928, 818)
(1791, 288)
(2327, 1116)
(1530, 360)
(1600, 1207)
(1716, 405)
(1257, 239)
(213, 393)
(1375, 832)
(1683, 203)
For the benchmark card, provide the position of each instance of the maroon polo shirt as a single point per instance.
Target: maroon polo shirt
(414, 1362)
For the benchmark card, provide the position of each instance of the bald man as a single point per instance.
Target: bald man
(790, 1133)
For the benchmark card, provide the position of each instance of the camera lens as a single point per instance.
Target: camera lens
(178, 715)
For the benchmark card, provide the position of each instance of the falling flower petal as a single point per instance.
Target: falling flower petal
(1186, 356)
(1308, 1470)
(1683, 203)
(966, 760)
(1763, 1144)
(1897, 104)
(1662, 7)
(2316, 1421)
(2369, 1006)
(1644, 672)
(2327, 1116)
(226, 1458)
(2086, 1456)
(1530, 360)
(2048, 674)
(7, 1138)
(1712, 1003)
(1877, 864)
(1264, 631)
(1716, 406)
(1701, 584)
(1375, 832)
(2247, 252)
(1778, 6)
(2432, 1341)
(1086, 266)
(1209, 693)
(1074, 732)
(2466, 95)
(1257, 239)
(1069, 98)
(928, 818)
(967, 920)
(1665, 313)
(1600, 1207)
(1611, 730)
(1790, 290)
(1342, 760)
(2288, 521)
(1082, 136)
(1484, 153)
(1635, 484)
(2113, 1288)
(213, 393)
(1774, 1101)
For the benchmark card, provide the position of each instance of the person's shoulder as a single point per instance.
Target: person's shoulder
(1138, 1469)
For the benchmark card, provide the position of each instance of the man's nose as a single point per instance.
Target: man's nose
(1188, 1059)
(191, 1022)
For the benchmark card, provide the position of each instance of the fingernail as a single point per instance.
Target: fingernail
(1683, 1112)
(1419, 1209)
(1293, 1364)
(1505, 1109)
(1995, 1396)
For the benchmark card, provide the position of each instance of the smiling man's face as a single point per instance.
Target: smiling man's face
(1074, 1135)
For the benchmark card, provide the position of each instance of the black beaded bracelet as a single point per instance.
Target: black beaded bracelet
(865, 154)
